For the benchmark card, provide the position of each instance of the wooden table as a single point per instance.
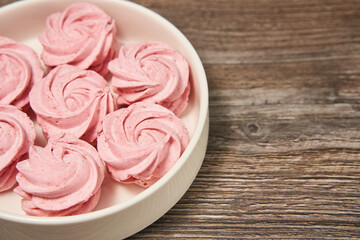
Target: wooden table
(283, 158)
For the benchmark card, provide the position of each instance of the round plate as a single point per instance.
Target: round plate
(123, 208)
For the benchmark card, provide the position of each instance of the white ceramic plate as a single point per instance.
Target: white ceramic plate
(123, 209)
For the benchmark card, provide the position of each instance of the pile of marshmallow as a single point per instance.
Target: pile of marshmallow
(135, 135)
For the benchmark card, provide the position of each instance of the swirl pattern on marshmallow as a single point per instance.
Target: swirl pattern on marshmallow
(139, 144)
(64, 178)
(20, 68)
(82, 35)
(151, 72)
(17, 134)
(72, 100)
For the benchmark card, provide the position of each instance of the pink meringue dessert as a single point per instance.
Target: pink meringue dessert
(17, 134)
(20, 68)
(62, 179)
(151, 72)
(141, 143)
(72, 100)
(82, 35)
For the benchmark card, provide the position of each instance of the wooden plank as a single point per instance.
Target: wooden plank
(284, 145)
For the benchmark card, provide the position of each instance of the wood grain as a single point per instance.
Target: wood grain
(283, 158)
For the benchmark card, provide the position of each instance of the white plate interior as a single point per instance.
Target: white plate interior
(25, 23)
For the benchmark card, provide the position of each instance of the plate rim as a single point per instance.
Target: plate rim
(203, 115)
